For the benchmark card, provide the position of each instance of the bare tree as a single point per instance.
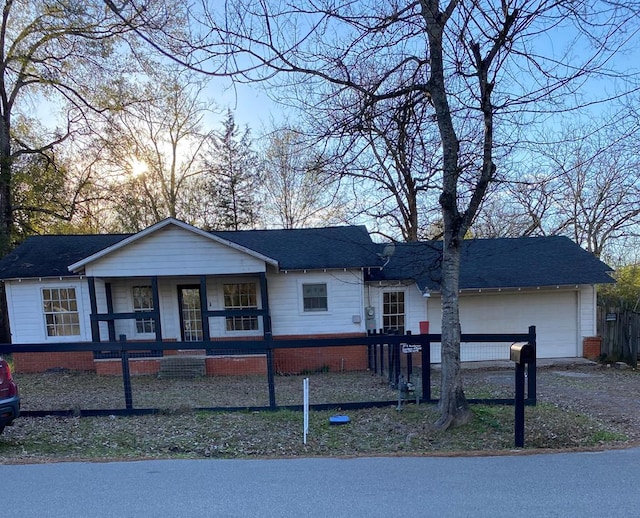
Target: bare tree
(597, 192)
(298, 191)
(483, 67)
(154, 152)
(389, 150)
(585, 185)
(524, 207)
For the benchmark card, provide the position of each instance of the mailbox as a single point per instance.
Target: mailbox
(522, 352)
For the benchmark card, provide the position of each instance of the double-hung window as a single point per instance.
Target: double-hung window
(143, 301)
(238, 296)
(61, 315)
(314, 297)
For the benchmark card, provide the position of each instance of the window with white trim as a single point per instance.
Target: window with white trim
(143, 301)
(393, 311)
(241, 295)
(61, 315)
(314, 297)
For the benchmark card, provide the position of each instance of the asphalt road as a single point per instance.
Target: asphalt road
(562, 485)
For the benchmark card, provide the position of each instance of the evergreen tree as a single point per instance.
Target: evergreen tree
(233, 178)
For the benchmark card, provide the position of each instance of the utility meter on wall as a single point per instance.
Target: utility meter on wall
(370, 318)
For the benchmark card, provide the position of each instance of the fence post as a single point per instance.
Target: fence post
(531, 368)
(380, 347)
(519, 407)
(270, 371)
(373, 353)
(409, 362)
(426, 370)
(126, 376)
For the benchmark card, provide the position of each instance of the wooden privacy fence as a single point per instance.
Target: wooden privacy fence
(620, 332)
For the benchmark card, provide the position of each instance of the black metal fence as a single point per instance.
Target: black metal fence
(397, 367)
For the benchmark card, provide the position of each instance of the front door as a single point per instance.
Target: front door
(190, 313)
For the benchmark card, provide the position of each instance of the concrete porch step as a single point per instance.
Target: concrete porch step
(182, 367)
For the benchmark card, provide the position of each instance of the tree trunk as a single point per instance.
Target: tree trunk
(454, 409)
(453, 406)
(6, 214)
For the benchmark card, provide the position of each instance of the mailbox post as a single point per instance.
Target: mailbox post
(521, 353)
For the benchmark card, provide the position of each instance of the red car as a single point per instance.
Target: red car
(9, 397)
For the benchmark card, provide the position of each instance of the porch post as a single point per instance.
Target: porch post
(110, 323)
(206, 336)
(264, 297)
(95, 326)
(156, 308)
(267, 333)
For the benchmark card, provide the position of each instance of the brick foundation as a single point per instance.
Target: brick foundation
(286, 361)
(316, 359)
(26, 363)
(137, 367)
(592, 347)
(236, 365)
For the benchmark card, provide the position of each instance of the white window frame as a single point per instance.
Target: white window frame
(143, 321)
(233, 331)
(312, 279)
(69, 312)
(382, 307)
(326, 297)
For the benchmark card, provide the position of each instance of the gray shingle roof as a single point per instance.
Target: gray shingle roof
(310, 248)
(486, 263)
(49, 256)
(298, 249)
(498, 263)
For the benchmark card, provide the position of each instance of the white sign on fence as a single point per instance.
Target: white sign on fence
(411, 348)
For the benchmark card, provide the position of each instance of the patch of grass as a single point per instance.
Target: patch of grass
(488, 417)
(320, 370)
(607, 436)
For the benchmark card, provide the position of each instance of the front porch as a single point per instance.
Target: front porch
(179, 309)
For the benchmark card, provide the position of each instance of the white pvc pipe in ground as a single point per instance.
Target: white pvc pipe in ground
(305, 404)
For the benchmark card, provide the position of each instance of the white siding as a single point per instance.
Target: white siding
(174, 251)
(344, 299)
(26, 314)
(554, 313)
(415, 304)
(588, 326)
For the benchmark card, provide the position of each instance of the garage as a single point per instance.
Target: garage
(554, 313)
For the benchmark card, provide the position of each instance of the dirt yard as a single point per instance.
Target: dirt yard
(604, 392)
(582, 406)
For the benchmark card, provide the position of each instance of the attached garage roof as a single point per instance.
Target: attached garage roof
(497, 263)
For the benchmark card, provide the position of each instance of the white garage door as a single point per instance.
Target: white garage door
(553, 313)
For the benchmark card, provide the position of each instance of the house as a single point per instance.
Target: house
(173, 282)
